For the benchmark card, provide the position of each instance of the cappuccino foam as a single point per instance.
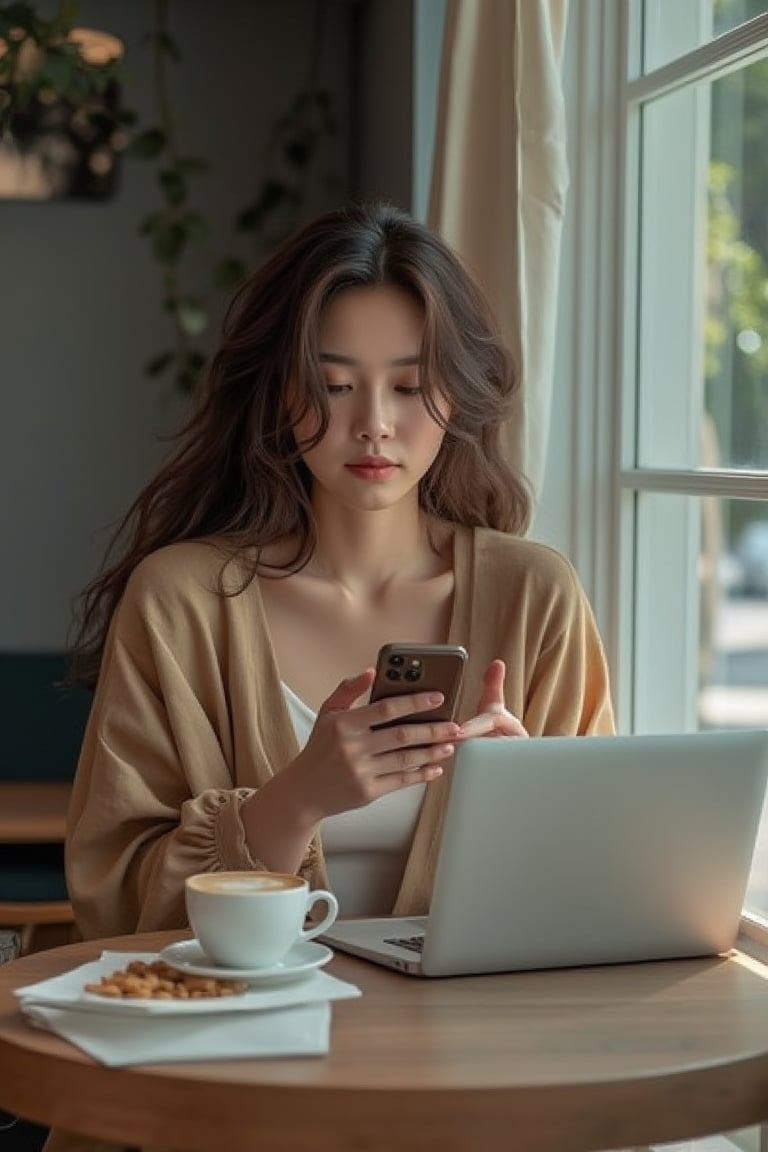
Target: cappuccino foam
(243, 883)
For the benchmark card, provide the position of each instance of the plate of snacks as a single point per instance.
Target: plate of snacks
(140, 983)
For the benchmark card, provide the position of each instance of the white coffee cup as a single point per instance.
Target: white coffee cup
(253, 919)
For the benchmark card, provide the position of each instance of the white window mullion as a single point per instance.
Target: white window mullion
(732, 50)
(669, 410)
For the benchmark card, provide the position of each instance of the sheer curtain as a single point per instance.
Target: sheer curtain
(499, 183)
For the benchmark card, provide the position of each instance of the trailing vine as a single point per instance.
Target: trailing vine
(174, 225)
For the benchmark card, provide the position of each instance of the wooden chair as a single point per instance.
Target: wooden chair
(24, 916)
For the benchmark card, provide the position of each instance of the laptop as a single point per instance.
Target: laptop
(558, 852)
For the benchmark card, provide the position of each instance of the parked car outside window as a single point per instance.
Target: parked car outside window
(752, 553)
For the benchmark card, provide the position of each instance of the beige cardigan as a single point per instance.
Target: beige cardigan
(189, 718)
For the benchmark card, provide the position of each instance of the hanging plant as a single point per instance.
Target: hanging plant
(44, 60)
(44, 63)
(58, 99)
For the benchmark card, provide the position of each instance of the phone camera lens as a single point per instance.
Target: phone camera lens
(412, 673)
(393, 674)
(397, 660)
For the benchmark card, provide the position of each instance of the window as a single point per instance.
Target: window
(693, 467)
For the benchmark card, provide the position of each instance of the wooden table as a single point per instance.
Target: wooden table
(33, 812)
(583, 1059)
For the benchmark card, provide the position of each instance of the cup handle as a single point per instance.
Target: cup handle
(315, 897)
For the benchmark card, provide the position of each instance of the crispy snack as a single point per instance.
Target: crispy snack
(159, 981)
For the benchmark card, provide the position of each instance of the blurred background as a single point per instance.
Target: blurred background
(82, 424)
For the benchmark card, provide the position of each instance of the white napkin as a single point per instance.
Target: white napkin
(300, 1031)
(288, 1019)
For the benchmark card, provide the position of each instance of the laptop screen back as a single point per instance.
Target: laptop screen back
(566, 851)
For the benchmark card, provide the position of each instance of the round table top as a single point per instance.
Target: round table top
(587, 1058)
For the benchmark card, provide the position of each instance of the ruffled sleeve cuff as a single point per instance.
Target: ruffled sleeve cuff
(231, 846)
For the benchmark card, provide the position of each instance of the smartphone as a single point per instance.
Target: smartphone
(405, 668)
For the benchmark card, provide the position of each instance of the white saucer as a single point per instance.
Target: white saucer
(188, 956)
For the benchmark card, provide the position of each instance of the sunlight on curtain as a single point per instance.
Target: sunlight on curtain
(499, 182)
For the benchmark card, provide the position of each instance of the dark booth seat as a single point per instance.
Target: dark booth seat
(42, 731)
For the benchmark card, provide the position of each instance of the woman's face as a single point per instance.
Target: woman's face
(381, 439)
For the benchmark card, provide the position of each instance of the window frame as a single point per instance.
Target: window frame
(597, 482)
(715, 58)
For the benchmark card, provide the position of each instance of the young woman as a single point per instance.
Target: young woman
(339, 485)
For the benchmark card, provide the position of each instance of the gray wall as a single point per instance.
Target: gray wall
(81, 427)
(383, 105)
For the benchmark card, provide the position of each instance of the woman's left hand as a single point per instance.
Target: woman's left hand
(493, 717)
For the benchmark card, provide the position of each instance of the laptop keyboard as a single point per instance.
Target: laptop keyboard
(412, 943)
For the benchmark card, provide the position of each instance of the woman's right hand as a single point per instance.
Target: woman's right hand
(346, 764)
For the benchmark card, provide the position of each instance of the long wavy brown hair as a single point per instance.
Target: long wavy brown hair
(237, 473)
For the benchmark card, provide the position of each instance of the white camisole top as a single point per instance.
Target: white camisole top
(365, 849)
